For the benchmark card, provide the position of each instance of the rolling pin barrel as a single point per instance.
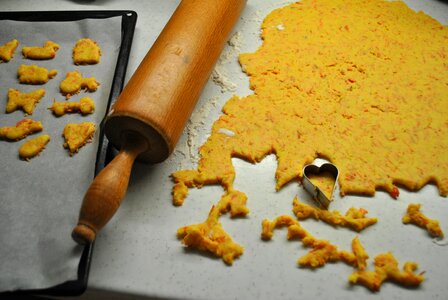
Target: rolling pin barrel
(148, 117)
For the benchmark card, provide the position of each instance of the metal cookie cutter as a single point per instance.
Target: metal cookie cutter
(315, 191)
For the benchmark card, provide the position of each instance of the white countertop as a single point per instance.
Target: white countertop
(137, 255)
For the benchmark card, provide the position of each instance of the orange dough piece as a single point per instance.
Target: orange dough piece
(7, 50)
(322, 251)
(48, 51)
(354, 218)
(386, 269)
(34, 74)
(84, 106)
(23, 101)
(210, 235)
(415, 216)
(34, 146)
(77, 135)
(325, 181)
(86, 52)
(21, 130)
(74, 82)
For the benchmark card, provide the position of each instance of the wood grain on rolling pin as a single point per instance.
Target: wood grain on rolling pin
(160, 96)
(148, 117)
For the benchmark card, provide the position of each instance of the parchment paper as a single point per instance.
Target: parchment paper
(40, 199)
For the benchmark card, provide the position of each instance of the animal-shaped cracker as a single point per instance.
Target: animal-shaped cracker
(77, 135)
(84, 106)
(34, 146)
(48, 51)
(7, 50)
(415, 216)
(86, 52)
(24, 101)
(34, 74)
(21, 130)
(74, 82)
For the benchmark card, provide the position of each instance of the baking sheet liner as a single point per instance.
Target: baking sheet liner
(40, 199)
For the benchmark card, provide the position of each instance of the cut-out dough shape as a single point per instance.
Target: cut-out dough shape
(34, 74)
(21, 130)
(74, 82)
(23, 101)
(86, 52)
(7, 50)
(84, 106)
(77, 135)
(34, 146)
(415, 216)
(48, 51)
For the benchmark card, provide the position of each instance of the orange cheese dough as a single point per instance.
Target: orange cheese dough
(86, 52)
(322, 251)
(210, 235)
(24, 101)
(33, 147)
(7, 50)
(415, 216)
(325, 181)
(77, 135)
(386, 269)
(21, 130)
(34, 74)
(354, 218)
(48, 51)
(84, 106)
(74, 82)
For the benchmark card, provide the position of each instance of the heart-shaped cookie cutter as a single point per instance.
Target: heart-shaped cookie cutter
(314, 190)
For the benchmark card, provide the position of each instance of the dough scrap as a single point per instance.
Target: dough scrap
(77, 135)
(48, 51)
(86, 52)
(24, 101)
(7, 50)
(34, 74)
(354, 218)
(415, 216)
(21, 130)
(74, 82)
(386, 269)
(84, 106)
(210, 235)
(322, 251)
(33, 147)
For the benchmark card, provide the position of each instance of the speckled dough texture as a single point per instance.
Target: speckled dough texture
(360, 83)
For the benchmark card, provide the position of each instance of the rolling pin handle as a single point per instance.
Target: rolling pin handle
(108, 189)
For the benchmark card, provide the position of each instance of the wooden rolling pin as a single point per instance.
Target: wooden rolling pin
(148, 117)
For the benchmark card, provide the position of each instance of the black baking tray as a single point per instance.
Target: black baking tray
(129, 19)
